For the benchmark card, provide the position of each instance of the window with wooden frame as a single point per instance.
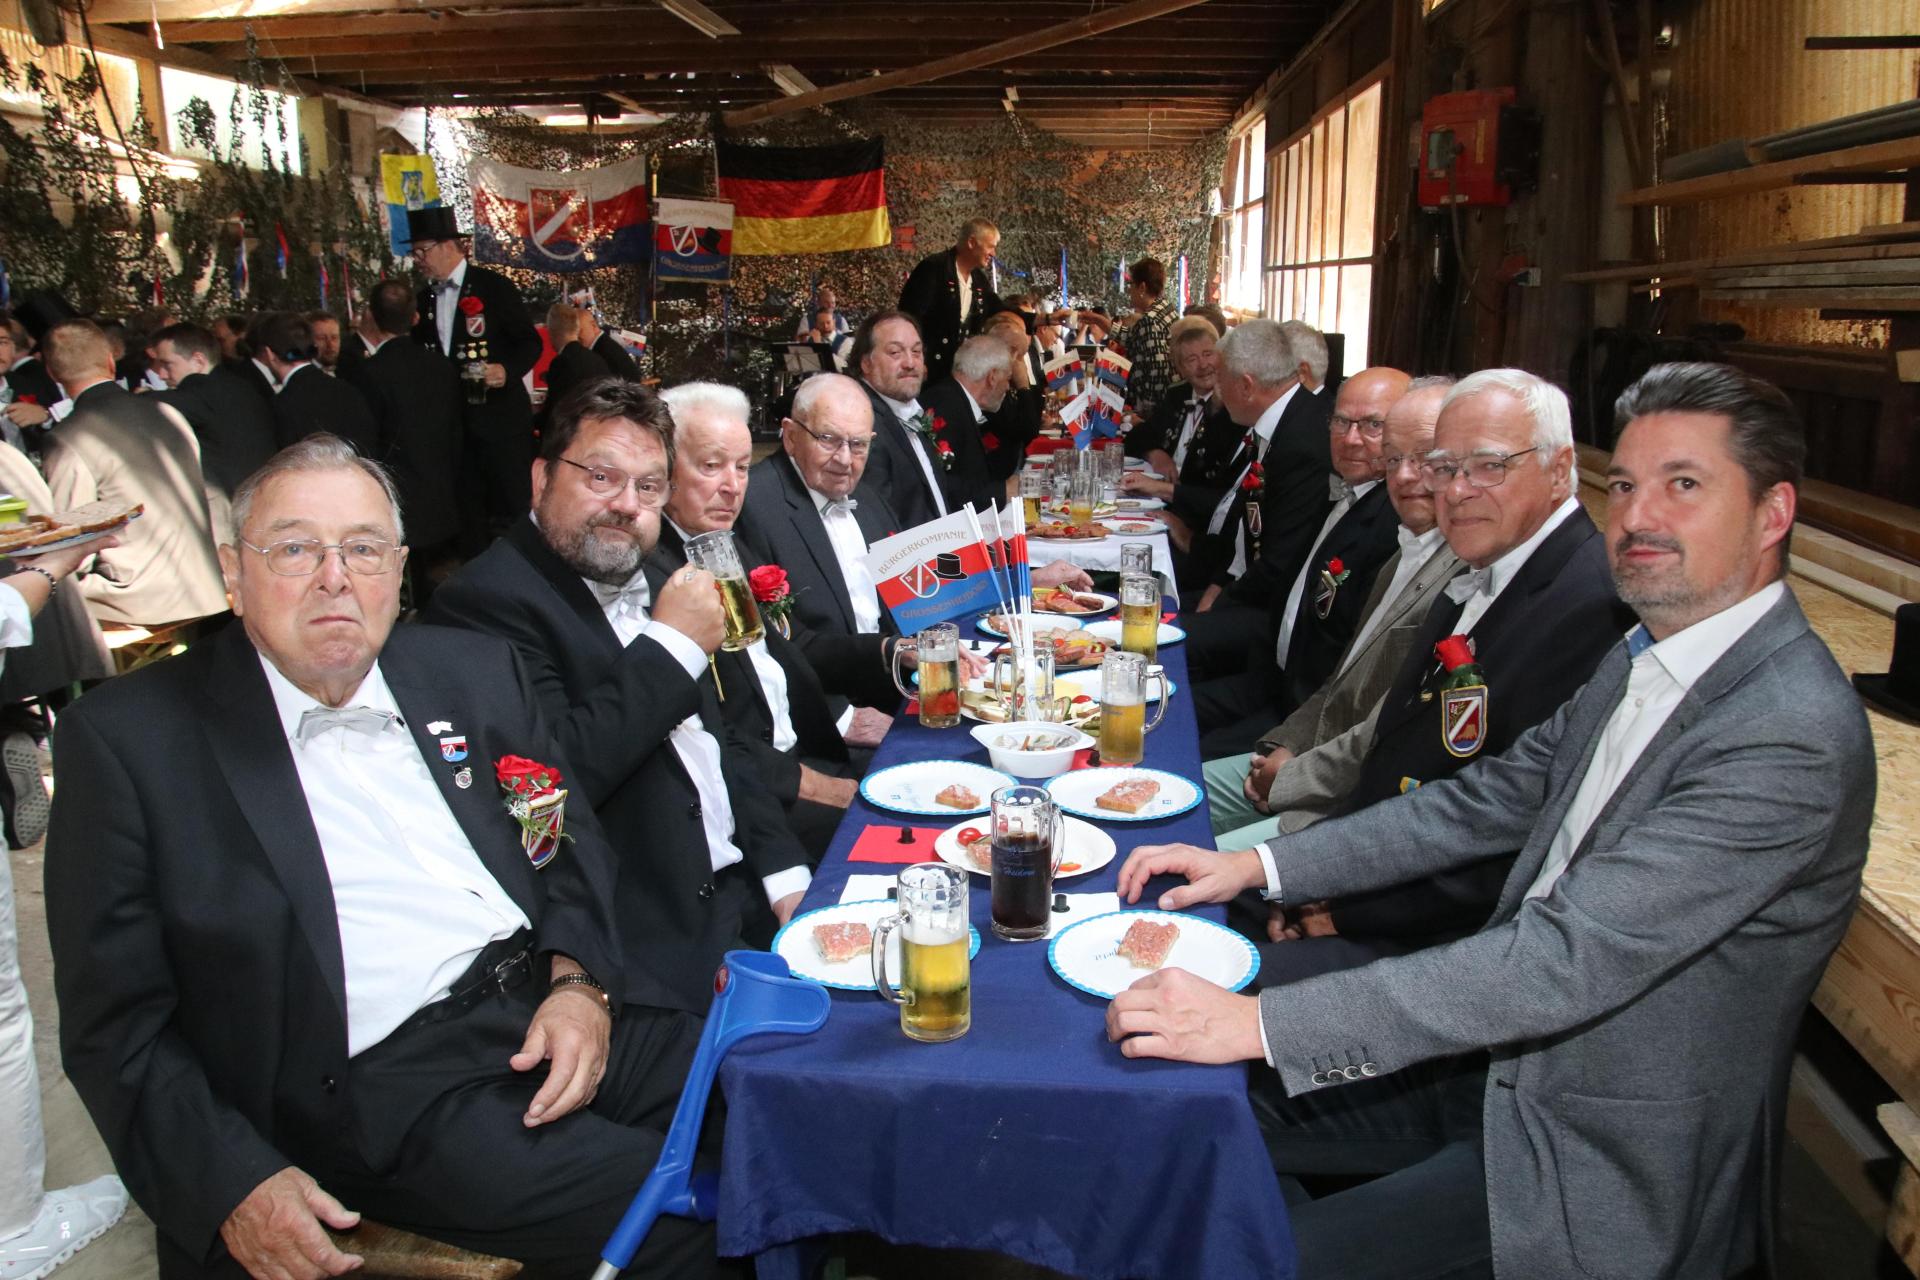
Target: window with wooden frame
(1320, 243)
(1246, 200)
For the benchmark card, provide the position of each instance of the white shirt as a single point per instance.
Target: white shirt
(414, 902)
(1659, 679)
(282, 384)
(266, 372)
(773, 684)
(979, 414)
(16, 621)
(965, 278)
(1415, 550)
(446, 306)
(904, 411)
(850, 549)
(699, 752)
(1504, 570)
(1263, 431)
(1310, 570)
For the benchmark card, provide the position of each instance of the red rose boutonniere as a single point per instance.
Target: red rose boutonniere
(773, 594)
(1335, 573)
(930, 426)
(989, 441)
(1254, 482)
(536, 800)
(471, 306)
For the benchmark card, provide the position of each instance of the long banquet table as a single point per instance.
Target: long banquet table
(1031, 1135)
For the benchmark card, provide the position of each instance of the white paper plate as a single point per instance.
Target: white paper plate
(1124, 507)
(77, 540)
(1107, 602)
(1136, 464)
(1041, 622)
(794, 942)
(1075, 792)
(1134, 527)
(910, 788)
(1083, 954)
(1088, 849)
(1109, 630)
(1091, 683)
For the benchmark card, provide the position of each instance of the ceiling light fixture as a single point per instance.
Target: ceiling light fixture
(789, 80)
(699, 17)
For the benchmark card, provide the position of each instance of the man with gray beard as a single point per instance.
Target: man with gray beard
(617, 653)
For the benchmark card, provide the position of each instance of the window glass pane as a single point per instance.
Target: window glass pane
(1317, 195)
(1256, 162)
(1363, 167)
(178, 88)
(1336, 180)
(1356, 301)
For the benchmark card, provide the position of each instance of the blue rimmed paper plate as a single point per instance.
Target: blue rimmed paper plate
(911, 788)
(794, 943)
(1079, 792)
(1109, 630)
(1133, 503)
(1084, 955)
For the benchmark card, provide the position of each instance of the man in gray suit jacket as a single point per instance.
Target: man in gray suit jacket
(1303, 768)
(1594, 1083)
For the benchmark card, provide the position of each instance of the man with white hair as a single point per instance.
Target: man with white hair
(982, 377)
(1310, 349)
(1536, 609)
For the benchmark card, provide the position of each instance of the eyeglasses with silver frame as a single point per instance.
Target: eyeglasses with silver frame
(302, 557)
(1484, 468)
(834, 444)
(651, 490)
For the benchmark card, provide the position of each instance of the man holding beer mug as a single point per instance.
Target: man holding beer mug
(618, 655)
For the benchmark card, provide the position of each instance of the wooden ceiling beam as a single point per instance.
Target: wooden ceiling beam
(597, 63)
(742, 52)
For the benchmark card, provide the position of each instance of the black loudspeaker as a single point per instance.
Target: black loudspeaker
(45, 23)
(1336, 362)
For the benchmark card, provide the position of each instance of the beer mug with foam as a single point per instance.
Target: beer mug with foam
(716, 553)
(935, 988)
(937, 652)
(1123, 706)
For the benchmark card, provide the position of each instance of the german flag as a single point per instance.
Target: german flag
(806, 199)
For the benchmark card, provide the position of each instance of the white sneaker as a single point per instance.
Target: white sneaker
(69, 1219)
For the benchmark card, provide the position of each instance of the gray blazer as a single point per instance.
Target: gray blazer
(1640, 1017)
(1330, 732)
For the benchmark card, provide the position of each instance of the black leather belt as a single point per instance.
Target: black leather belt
(499, 968)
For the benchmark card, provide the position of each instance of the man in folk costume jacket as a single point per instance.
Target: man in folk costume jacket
(950, 294)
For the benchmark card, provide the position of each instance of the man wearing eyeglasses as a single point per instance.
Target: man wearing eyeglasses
(1539, 609)
(620, 658)
(307, 965)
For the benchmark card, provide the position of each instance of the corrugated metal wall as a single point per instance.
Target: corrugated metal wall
(1739, 71)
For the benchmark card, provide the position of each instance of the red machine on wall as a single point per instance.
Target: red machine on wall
(1476, 148)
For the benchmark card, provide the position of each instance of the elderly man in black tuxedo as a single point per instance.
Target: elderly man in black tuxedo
(234, 425)
(950, 293)
(619, 652)
(308, 400)
(307, 964)
(965, 403)
(474, 316)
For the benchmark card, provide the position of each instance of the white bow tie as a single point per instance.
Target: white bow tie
(1409, 540)
(630, 600)
(1469, 584)
(1338, 490)
(847, 505)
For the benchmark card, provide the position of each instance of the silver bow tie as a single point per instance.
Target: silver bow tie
(315, 721)
(448, 286)
(848, 505)
(1468, 585)
(1338, 490)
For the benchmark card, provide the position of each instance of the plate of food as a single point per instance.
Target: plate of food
(1130, 794)
(980, 702)
(1135, 528)
(995, 623)
(928, 787)
(1109, 630)
(834, 945)
(1136, 464)
(1061, 531)
(1127, 506)
(1072, 603)
(1092, 685)
(37, 535)
(970, 845)
(1073, 649)
(1107, 954)
(1100, 509)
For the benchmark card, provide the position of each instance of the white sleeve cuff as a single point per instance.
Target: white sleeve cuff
(845, 722)
(1272, 892)
(685, 652)
(781, 883)
(1266, 1048)
(16, 620)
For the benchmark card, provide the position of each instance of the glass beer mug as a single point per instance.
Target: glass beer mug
(935, 992)
(1034, 488)
(716, 553)
(1123, 706)
(1136, 557)
(1140, 614)
(1029, 837)
(938, 651)
(1026, 689)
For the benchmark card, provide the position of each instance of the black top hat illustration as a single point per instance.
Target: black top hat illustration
(40, 310)
(437, 223)
(1898, 690)
(947, 565)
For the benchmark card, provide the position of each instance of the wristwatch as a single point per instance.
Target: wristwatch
(588, 981)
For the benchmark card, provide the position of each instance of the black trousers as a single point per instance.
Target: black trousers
(496, 483)
(437, 1146)
(1220, 640)
(1416, 1136)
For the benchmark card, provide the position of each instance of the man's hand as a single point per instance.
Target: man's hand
(824, 789)
(1308, 920)
(972, 665)
(1137, 482)
(1211, 876)
(26, 415)
(496, 376)
(571, 1030)
(62, 563)
(275, 1232)
(867, 728)
(690, 604)
(783, 910)
(1207, 598)
(1260, 776)
(1062, 573)
(1172, 1014)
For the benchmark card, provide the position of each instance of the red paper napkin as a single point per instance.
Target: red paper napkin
(1083, 759)
(880, 843)
(912, 708)
(1168, 616)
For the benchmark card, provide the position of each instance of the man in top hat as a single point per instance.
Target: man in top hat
(475, 317)
(950, 294)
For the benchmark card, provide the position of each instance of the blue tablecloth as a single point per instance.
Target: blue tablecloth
(1031, 1135)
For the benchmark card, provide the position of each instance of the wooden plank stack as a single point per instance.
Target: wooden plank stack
(1876, 270)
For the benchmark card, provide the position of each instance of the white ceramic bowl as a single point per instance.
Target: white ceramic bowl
(1030, 764)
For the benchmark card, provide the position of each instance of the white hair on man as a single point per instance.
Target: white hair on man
(823, 386)
(690, 398)
(1546, 405)
(1309, 348)
(319, 452)
(1260, 349)
(1190, 329)
(982, 355)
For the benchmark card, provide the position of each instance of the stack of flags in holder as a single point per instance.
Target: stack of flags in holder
(1108, 399)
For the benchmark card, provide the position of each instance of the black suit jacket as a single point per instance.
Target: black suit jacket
(1538, 642)
(932, 296)
(1293, 500)
(1009, 430)
(612, 709)
(252, 374)
(893, 467)
(197, 951)
(780, 525)
(235, 427)
(415, 397)
(571, 366)
(310, 401)
(615, 357)
(969, 479)
(31, 379)
(1362, 540)
(512, 342)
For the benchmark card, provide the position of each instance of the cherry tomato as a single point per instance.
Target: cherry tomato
(969, 834)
